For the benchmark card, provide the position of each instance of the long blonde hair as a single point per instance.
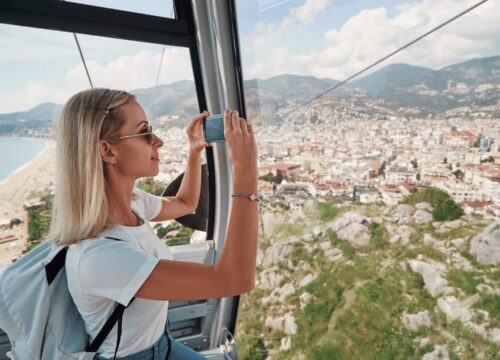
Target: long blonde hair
(80, 207)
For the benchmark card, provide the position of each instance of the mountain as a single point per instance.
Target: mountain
(472, 83)
(38, 119)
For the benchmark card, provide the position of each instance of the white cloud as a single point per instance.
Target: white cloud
(32, 95)
(306, 13)
(130, 72)
(372, 34)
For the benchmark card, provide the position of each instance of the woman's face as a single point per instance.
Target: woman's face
(136, 156)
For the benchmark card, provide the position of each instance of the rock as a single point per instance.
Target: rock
(440, 353)
(402, 214)
(284, 323)
(424, 206)
(400, 234)
(305, 299)
(269, 279)
(487, 289)
(459, 262)
(334, 254)
(422, 217)
(431, 274)
(453, 309)
(282, 293)
(459, 243)
(352, 227)
(307, 280)
(286, 344)
(485, 247)
(346, 219)
(494, 335)
(424, 341)
(416, 321)
(272, 255)
(448, 225)
(317, 231)
(356, 234)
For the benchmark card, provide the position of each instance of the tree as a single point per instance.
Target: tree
(446, 211)
(458, 174)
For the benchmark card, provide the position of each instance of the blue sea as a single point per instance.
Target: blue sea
(16, 152)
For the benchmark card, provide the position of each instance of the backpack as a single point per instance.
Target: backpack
(38, 313)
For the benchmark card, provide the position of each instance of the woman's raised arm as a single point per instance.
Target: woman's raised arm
(234, 273)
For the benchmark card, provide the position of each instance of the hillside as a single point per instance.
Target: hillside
(403, 89)
(373, 282)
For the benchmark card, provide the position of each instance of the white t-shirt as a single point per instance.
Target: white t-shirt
(102, 272)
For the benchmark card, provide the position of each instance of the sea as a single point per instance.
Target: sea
(16, 152)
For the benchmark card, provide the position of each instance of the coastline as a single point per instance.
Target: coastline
(16, 189)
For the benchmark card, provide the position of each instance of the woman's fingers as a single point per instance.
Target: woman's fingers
(235, 121)
(227, 121)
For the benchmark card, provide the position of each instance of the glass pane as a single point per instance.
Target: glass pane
(39, 73)
(340, 252)
(163, 8)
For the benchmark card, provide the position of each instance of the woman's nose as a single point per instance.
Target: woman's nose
(157, 141)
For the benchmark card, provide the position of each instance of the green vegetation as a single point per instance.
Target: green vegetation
(432, 195)
(446, 211)
(275, 179)
(327, 211)
(182, 237)
(378, 235)
(463, 280)
(39, 217)
(152, 186)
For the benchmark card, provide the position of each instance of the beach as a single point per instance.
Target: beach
(18, 188)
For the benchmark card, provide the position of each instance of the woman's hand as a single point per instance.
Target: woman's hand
(195, 133)
(241, 143)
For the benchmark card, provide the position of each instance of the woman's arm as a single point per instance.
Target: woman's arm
(234, 273)
(188, 195)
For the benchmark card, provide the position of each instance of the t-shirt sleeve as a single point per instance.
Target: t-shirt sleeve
(114, 269)
(152, 203)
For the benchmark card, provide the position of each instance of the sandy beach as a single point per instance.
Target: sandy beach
(16, 190)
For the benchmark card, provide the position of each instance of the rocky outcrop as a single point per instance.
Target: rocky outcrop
(273, 255)
(431, 273)
(284, 323)
(402, 214)
(416, 321)
(400, 234)
(352, 227)
(440, 353)
(454, 309)
(422, 217)
(424, 206)
(485, 247)
(269, 279)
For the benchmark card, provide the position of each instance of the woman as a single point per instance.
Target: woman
(105, 144)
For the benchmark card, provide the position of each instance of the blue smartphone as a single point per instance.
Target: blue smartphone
(213, 128)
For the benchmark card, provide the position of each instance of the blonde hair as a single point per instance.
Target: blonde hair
(80, 207)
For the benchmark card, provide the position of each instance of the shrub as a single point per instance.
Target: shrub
(432, 195)
(448, 210)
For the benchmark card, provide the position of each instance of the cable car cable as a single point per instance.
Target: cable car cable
(380, 60)
(83, 60)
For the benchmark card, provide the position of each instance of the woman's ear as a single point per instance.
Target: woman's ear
(107, 152)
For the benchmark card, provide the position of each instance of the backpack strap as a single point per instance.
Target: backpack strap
(51, 271)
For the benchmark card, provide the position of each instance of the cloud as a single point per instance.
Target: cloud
(373, 33)
(127, 72)
(306, 13)
(32, 95)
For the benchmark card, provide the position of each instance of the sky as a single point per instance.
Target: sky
(321, 38)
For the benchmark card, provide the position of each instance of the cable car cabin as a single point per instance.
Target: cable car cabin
(196, 37)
